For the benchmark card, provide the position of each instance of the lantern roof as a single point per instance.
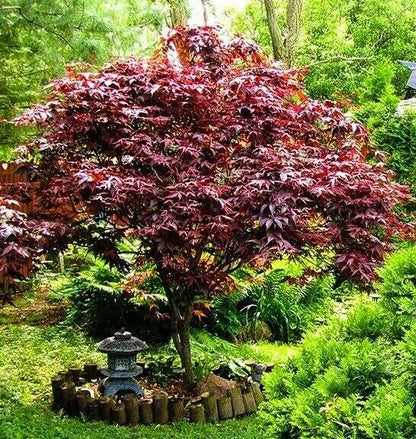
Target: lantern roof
(121, 342)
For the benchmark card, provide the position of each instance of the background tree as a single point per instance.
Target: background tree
(179, 12)
(343, 43)
(207, 157)
(39, 38)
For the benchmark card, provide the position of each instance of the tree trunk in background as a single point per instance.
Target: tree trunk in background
(205, 11)
(284, 43)
(275, 33)
(179, 12)
(293, 21)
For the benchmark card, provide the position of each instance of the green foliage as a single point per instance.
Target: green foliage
(367, 319)
(408, 356)
(277, 305)
(209, 354)
(102, 299)
(389, 412)
(212, 354)
(377, 95)
(398, 286)
(354, 378)
(351, 379)
(253, 24)
(397, 136)
(375, 34)
(346, 43)
(39, 38)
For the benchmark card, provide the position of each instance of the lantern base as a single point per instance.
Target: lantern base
(112, 386)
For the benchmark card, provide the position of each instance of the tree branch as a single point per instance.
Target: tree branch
(31, 21)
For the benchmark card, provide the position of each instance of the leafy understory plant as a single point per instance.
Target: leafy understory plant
(209, 156)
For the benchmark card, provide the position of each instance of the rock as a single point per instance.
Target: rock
(256, 331)
(215, 385)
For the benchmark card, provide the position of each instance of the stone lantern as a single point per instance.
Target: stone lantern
(121, 350)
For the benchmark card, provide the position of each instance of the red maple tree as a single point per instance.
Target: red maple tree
(207, 156)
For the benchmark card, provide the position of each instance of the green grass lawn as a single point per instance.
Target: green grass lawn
(30, 355)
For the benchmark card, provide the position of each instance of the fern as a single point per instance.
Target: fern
(269, 302)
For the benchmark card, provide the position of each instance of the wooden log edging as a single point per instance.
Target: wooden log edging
(131, 403)
(197, 413)
(225, 408)
(69, 395)
(106, 404)
(146, 411)
(211, 407)
(237, 401)
(160, 408)
(176, 409)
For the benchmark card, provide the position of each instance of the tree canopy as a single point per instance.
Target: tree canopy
(207, 156)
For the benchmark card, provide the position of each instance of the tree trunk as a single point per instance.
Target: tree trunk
(179, 12)
(185, 354)
(293, 20)
(205, 11)
(275, 33)
(284, 43)
(181, 316)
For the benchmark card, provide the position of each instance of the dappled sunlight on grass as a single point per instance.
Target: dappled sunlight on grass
(272, 352)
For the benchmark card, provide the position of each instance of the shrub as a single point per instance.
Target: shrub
(326, 390)
(388, 414)
(397, 136)
(398, 286)
(102, 300)
(408, 358)
(101, 312)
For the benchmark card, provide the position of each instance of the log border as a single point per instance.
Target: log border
(70, 395)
